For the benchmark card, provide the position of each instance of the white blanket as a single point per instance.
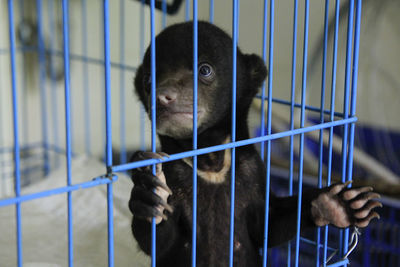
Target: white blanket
(44, 223)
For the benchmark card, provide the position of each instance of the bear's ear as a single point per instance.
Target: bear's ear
(256, 69)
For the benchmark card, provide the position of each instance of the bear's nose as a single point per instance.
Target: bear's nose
(167, 97)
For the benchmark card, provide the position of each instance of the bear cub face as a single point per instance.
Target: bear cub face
(174, 79)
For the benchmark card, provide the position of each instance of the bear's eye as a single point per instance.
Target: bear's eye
(205, 70)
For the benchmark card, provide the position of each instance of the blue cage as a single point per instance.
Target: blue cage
(69, 77)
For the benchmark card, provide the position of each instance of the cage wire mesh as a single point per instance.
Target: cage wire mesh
(57, 83)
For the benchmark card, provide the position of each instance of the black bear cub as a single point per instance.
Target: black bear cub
(167, 196)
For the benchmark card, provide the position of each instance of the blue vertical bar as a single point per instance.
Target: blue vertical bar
(110, 222)
(164, 13)
(102, 85)
(323, 87)
(187, 9)
(42, 79)
(211, 11)
(344, 241)
(195, 87)
(264, 56)
(235, 24)
(86, 97)
(15, 129)
(302, 115)
(292, 102)
(54, 100)
(122, 108)
(332, 112)
(153, 118)
(321, 119)
(269, 112)
(68, 127)
(142, 111)
(107, 80)
(25, 140)
(25, 120)
(354, 85)
(2, 178)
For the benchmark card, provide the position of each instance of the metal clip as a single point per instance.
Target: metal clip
(353, 242)
(330, 257)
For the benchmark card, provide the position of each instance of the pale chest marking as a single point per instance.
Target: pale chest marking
(212, 176)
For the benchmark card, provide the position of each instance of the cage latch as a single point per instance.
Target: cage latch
(353, 242)
(352, 245)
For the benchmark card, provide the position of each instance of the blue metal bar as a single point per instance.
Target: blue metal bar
(312, 242)
(332, 107)
(86, 97)
(54, 98)
(110, 222)
(25, 120)
(68, 126)
(107, 83)
(42, 79)
(15, 129)
(297, 105)
(195, 94)
(321, 119)
(187, 10)
(164, 13)
(339, 263)
(61, 190)
(269, 131)
(153, 118)
(354, 88)
(122, 109)
(354, 84)
(3, 176)
(302, 119)
(263, 97)
(344, 242)
(292, 105)
(103, 110)
(239, 143)
(235, 25)
(211, 11)
(142, 111)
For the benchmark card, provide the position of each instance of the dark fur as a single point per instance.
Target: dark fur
(174, 59)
